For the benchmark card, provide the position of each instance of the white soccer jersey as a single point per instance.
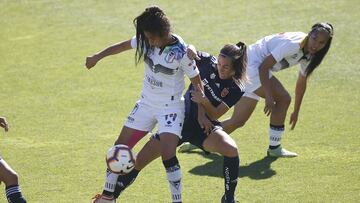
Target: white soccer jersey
(164, 73)
(286, 48)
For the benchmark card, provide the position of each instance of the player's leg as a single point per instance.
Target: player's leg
(221, 142)
(147, 154)
(277, 118)
(168, 144)
(170, 126)
(139, 122)
(242, 112)
(10, 178)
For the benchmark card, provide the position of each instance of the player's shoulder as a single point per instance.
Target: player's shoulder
(206, 58)
(291, 37)
(177, 48)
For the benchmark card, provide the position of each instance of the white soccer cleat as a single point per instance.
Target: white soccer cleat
(281, 152)
(99, 198)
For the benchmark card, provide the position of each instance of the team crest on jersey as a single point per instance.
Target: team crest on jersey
(212, 76)
(170, 56)
(169, 119)
(224, 92)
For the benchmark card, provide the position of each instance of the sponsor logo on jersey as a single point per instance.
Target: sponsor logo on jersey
(224, 92)
(153, 82)
(212, 93)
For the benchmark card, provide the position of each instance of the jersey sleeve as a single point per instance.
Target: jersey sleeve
(133, 42)
(284, 49)
(233, 97)
(189, 66)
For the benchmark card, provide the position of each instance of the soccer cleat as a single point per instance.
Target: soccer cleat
(99, 198)
(280, 152)
(224, 200)
(186, 147)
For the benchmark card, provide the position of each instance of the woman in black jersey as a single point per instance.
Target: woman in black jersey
(223, 80)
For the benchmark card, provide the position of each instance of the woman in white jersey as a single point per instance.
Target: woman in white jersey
(161, 99)
(274, 53)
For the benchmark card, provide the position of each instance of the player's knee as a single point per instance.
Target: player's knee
(230, 150)
(285, 100)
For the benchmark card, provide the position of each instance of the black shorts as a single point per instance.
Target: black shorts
(193, 133)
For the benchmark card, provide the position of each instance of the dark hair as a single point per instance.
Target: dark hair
(238, 55)
(318, 56)
(152, 20)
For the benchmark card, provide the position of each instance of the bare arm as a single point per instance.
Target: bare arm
(265, 82)
(213, 112)
(111, 50)
(299, 94)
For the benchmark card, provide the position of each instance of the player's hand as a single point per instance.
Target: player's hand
(91, 61)
(293, 119)
(191, 52)
(198, 95)
(269, 105)
(205, 123)
(4, 124)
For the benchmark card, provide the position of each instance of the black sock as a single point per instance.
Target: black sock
(231, 172)
(124, 181)
(13, 194)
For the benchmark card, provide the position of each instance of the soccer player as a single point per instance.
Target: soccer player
(161, 100)
(274, 53)
(9, 176)
(223, 80)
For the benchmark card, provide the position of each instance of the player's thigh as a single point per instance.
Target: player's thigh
(148, 153)
(140, 121)
(168, 144)
(243, 109)
(278, 91)
(221, 142)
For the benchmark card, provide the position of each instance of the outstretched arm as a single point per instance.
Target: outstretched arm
(299, 94)
(111, 50)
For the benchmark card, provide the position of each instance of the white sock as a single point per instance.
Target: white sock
(275, 135)
(174, 178)
(110, 181)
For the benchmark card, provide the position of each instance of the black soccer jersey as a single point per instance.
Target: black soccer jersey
(216, 90)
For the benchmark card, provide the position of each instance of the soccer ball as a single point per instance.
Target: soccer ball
(120, 159)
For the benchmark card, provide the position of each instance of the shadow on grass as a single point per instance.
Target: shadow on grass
(257, 170)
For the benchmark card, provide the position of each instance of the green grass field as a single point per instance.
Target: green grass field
(64, 117)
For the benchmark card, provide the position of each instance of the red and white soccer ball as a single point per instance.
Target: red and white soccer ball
(120, 159)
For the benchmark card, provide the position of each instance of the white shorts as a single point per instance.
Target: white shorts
(253, 82)
(144, 117)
